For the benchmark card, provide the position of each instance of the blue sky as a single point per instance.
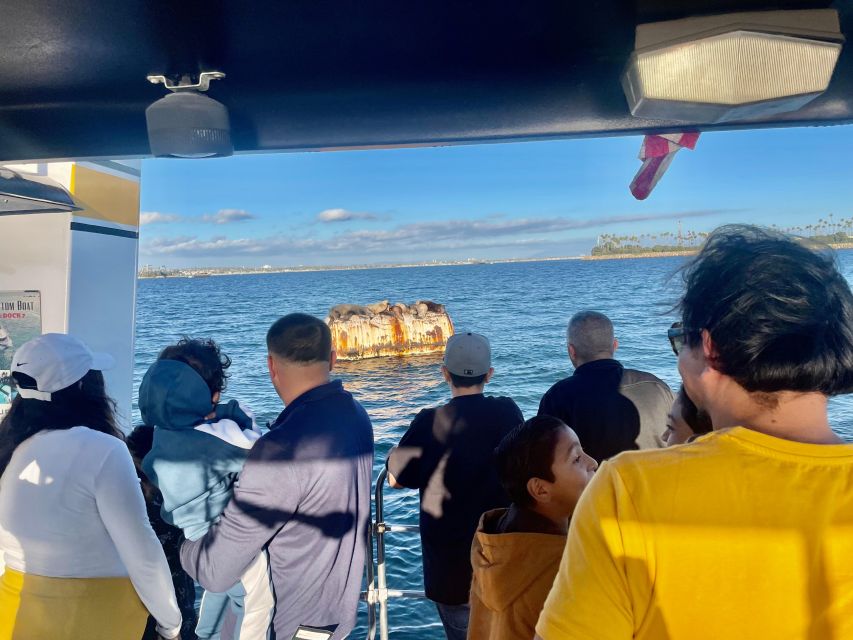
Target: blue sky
(518, 200)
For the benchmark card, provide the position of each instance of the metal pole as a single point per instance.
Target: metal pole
(382, 585)
(371, 587)
(377, 587)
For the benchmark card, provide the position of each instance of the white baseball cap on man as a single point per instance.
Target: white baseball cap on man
(56, 361)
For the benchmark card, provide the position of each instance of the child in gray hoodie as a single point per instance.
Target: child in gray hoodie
(199, 448)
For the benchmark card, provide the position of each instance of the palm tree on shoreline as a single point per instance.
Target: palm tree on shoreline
(830, 229)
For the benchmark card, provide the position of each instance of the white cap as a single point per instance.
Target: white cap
(56, 361)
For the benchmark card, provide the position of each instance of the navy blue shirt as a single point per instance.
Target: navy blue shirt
(304, 496)
(447, 454)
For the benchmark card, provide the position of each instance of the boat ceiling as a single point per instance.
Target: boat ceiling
(320, 74)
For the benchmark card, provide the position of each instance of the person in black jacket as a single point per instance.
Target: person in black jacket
(447, 454)
(139, 442)
(611, 408)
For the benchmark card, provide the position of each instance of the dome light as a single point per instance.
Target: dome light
(731, 67)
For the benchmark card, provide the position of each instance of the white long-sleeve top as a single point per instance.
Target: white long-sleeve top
(71, 507)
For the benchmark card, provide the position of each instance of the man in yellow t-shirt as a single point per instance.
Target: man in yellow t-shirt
(748, 531)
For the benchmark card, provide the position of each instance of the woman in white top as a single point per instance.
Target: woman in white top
(81, 559)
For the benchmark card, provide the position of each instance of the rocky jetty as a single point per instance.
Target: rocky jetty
(383, 329)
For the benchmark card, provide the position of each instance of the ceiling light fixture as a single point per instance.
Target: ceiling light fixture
(186, 123)
(731, 67)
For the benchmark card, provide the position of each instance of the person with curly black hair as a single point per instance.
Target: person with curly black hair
(198, 450)
(748, 531)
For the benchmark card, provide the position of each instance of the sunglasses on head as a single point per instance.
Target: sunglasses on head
(677, 335)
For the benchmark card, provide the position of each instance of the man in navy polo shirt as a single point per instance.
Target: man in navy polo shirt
(303, 494)
(447, 454)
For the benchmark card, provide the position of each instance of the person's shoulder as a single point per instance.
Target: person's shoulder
(344, 400)
(561, 392)
(644, 383)
(424, 419)
(634, 376)
(166, 442)
(562, 386)
(503, 400)
(500, 400)
(271, 445)
(95, 448)
(358, 408)
(650, 464)
(421, 425)
(91, 438)
(498, 414)
(428, 413)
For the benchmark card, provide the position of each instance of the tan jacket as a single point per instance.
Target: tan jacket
(513, 573)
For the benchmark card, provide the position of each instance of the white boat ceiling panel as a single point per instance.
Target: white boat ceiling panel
(345, 73)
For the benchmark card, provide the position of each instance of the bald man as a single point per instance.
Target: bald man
(611, 408)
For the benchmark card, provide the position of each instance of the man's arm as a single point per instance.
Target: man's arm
(591, 596)
(393, 482)
(265, 498)
(404, 460)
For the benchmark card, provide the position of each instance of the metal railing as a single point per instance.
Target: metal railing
(377, 593)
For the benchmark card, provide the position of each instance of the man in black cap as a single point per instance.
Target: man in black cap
(447, 454)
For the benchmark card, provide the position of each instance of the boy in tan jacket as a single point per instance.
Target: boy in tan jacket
(516, 551)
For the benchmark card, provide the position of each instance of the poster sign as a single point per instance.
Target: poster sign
(20, 320)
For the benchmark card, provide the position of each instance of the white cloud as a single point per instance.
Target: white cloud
(227, 216)
(223, 216)
(422, 239)
(343, 215)
(155, 217)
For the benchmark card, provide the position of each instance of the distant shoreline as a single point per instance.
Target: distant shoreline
(649, 254)
(197, 272)
(688, 252)
(219, 271)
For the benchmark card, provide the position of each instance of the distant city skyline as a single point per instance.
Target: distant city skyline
(482, 202)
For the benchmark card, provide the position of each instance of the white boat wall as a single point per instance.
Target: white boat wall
(81, 255)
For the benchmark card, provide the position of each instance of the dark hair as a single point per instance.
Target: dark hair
(84, 404)
(780, 313)
(463, 382)
(300, 338)
(698, 420)
(527, 452)
(203, 355)
(139, 443)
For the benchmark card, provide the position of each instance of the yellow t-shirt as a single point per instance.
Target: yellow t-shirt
(736, 535)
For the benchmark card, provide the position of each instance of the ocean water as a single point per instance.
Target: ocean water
(522, 307)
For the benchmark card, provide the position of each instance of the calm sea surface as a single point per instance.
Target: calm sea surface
(522, 308)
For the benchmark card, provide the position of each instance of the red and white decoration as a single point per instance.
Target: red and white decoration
(656, 153)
